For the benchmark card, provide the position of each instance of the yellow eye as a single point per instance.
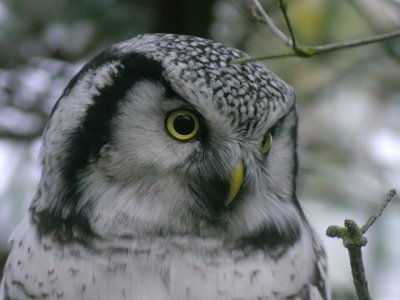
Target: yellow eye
(182, 125)
(266, 143)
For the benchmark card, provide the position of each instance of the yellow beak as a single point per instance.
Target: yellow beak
(235, 182)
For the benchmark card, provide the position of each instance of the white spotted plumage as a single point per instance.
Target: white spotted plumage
(125, 211)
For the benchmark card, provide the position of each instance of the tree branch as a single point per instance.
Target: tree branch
(266, 19)
(373, 218)
(298, 50)
(283, 7)
(353, 239)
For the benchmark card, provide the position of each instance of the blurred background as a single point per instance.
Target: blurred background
(349, 102)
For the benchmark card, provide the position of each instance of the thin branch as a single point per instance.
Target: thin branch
(357, 42)
(356, 259)
(298, 50)
(374, 25)
(270, 23)
(309, 51)
(372, 219)
(353, 239)
(283, 7)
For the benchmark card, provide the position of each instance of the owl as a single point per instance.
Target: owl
(168, 173)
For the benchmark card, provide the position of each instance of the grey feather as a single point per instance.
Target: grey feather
(125, 211)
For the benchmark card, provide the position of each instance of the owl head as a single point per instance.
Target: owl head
(162, 134)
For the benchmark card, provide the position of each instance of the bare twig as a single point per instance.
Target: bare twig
(309, 51)
(373, 24)
(270, 23)
(353, 239)
(298, 50)
(372, 219)
(283, 7)
(357, 42)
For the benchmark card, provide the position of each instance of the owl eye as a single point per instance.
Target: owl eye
(266, 143)
(182, 125)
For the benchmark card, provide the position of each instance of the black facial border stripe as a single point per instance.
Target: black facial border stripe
(67, 218)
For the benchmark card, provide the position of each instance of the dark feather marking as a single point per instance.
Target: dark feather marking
(271, 239)
(319, 283)
(20, 285)
(73, 271)
(66, 219)
(303, 294)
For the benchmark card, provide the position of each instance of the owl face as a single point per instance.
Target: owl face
(162, 134)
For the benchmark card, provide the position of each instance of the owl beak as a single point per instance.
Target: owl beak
(236, 180)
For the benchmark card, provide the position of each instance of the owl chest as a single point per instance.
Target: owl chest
(217, 272)
(159, 271)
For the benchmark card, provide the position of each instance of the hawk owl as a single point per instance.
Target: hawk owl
(168, 173)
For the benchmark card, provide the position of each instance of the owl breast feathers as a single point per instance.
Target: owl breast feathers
(168, 173)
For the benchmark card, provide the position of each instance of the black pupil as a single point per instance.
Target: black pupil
(184, 124)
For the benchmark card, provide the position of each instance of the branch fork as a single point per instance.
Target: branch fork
(354, 239)
(298, 50)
